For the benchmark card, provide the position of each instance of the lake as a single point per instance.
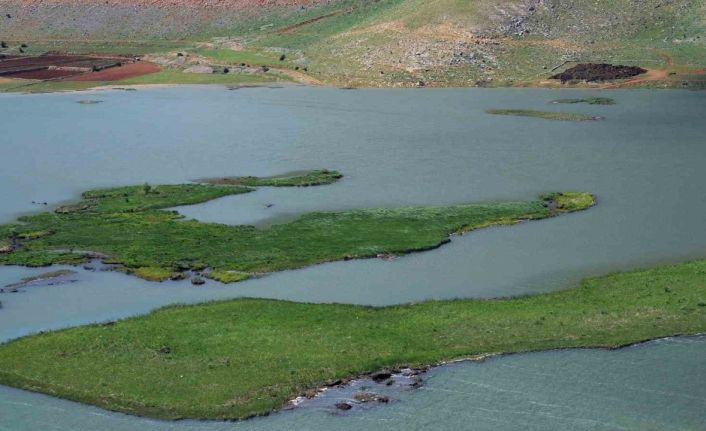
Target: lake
(395, 147)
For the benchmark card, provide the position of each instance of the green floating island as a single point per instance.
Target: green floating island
(246, 357)
(130, 227)
(589, 100)
(557, 116)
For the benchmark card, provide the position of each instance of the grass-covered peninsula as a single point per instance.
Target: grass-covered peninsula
(245, 357)
(131, 227)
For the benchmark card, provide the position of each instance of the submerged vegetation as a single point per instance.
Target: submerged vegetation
(245, 357)
(294, 179)
(129, 226)
(588, 100)
(558, 116)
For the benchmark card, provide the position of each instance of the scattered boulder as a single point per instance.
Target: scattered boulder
(416, 381)
(343, 406)
(198, 281)
(380, 376)
(366, 397)
(179, 276)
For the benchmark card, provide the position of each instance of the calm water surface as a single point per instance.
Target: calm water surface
(396, 147)
(653, 387)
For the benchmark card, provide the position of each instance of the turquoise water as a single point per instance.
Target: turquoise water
(653, 387)
(395, 147)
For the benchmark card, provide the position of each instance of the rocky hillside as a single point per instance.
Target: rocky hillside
(385, 42)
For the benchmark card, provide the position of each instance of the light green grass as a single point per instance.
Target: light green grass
(176, 76)
(228, 276)
(229, 56)
(245, 357)
(153, 273)
(32, 86)
(165, 77)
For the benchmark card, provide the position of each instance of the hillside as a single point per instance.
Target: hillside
(381, 42)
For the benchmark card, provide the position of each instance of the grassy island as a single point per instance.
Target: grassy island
(238, 358)
(130, 226)
(557, 116)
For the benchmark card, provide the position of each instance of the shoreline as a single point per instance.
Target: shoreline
(294, 403)
(609, 312)
(607, 86)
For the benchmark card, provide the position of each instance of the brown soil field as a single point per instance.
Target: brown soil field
(44, 74)
(45, 65)
(125, 71)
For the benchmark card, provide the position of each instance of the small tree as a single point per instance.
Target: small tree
(3, 44)
(147, 188)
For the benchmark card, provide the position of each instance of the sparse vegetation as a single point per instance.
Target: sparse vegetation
(296, 179)
(588, 100)
(245, 357)
(509, 45)
(558, 116)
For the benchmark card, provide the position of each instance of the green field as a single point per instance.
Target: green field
(238, 358)
(129, 226)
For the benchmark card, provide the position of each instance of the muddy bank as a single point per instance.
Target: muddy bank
(45, 279)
